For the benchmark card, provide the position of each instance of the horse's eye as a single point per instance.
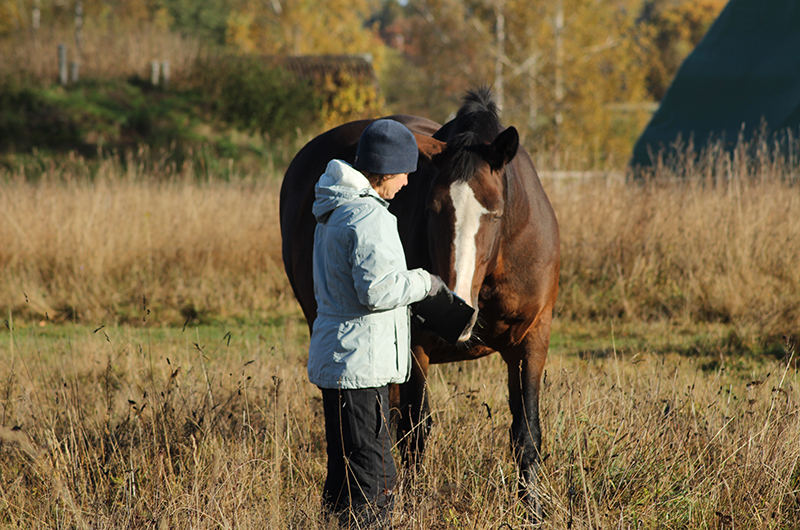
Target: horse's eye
(434, 207)
(496, 216)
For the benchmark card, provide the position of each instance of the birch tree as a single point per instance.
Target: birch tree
(571, 72)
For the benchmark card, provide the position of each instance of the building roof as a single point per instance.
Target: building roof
(315, 67)
(742, 78)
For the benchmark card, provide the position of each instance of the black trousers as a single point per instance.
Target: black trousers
(361, 470)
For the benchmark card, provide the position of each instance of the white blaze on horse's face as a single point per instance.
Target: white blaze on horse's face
(468, 213)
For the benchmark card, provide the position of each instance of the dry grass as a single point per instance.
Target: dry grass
(97, 251)
(718, 245)
(90, 249)
(147, 428)
(682, 250)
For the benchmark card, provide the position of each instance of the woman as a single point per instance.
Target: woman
(361, 341)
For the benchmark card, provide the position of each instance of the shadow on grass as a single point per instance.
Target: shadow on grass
(714, 342)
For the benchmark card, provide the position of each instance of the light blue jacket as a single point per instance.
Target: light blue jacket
(361, 337)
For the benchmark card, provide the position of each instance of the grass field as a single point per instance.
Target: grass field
(152, 363)
(217, 426)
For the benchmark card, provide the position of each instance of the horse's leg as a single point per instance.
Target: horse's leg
(414, 422)
(525, 365)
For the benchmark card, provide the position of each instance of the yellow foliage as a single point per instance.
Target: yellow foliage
(315, 27)
(10, 17)
(346, 99)
(577, 87)
(239, 32)
(689, 21)
(677, 29)
(162, 19)
(305, 27)
(604, 73)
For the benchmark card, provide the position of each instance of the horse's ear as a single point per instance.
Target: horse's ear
(503, 149)
(429, 147)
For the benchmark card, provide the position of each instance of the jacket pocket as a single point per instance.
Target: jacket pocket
(352, 336)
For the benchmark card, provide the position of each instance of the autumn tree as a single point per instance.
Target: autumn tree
(301, 27)
(577, 74)
(316, 27)
(578, 78)
(678, 26)
(570, 74)
(448, 44)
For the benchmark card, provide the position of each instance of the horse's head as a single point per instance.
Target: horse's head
(466, 204)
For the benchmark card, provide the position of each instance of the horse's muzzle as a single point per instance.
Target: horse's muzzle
(467, 333)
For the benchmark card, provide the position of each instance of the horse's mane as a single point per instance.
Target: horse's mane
(478, 114)
(476, 123)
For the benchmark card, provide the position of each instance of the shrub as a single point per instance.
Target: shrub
(249, 93)
(347, 98)
(92, 115)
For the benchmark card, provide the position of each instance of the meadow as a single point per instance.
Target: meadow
(152, 372)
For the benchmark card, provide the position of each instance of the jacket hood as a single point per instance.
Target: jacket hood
(340, 184)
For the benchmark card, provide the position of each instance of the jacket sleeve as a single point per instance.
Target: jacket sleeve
(381, 279)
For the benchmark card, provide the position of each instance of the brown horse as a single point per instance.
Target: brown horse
(474, 213)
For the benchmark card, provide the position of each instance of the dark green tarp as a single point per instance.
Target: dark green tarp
(744, 75)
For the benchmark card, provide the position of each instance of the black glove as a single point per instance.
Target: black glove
(441, 312)
(439, 287)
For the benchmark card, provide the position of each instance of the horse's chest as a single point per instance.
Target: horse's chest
(502, 302)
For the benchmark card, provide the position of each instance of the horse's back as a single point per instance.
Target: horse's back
(297, 196)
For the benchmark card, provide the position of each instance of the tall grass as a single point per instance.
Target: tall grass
(683, 251)
(88, 245)
(168, 424)
(714, 238)
(139, 428)
(97, 250)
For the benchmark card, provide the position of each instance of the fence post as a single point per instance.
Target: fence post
(62, 63)
(79, 26)
(154, 73)
(36, 17)
(165, 74)
(74, 66)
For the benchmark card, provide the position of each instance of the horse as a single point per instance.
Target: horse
(475, 213)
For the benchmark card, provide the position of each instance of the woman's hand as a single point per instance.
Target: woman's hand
(438, 287)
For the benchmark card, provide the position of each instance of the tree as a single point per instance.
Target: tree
(678, 27)
(12, 16)
(571, 73)
(301, 27)
(447, 47)
(207, 19)
(589, 102)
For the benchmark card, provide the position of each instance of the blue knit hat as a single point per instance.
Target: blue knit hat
(387, 147)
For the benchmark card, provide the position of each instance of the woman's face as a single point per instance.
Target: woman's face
(389, 185)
